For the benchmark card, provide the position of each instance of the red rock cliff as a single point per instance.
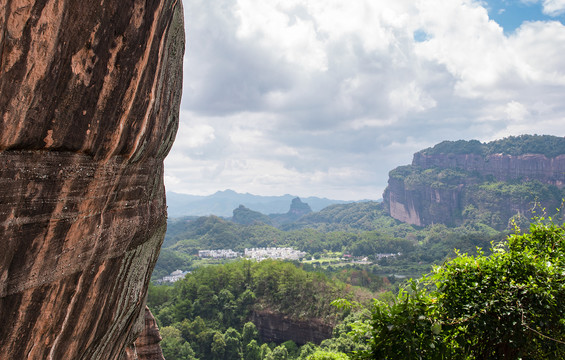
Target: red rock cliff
(89, 98)
(502, 166)
(432, 189)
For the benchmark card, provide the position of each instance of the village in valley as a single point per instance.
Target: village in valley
(282, 253)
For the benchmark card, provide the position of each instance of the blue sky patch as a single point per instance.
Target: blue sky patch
(511, 14)
(420, 36)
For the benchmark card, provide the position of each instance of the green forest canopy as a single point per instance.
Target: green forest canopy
(548, 145)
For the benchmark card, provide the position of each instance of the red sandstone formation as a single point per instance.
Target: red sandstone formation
(421, 204)
(502, 166)
(89, 99)
(146, 346)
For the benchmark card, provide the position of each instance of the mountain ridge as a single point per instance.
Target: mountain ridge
(222, 203)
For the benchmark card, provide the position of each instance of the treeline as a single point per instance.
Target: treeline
(547, 145)
(503, 306)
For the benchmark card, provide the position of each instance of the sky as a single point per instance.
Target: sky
(325, 97)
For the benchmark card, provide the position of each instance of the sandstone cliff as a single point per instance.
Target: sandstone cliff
(502, 167)
(146, 346)
(89, 98)
(456, 187)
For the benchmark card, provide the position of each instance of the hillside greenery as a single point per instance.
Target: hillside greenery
(503, 306)
(550, 146)
(205, 315)
(357, 229)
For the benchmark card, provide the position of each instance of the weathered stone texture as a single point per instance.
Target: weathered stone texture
(89, 99)
(423, 204)
(275, 327)
(146, 346)
(502, 166)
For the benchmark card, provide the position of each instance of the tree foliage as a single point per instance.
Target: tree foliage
(547, 145)
(206, 313)
(504, 306)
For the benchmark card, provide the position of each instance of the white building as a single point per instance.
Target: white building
(273, 253)
(216, 254)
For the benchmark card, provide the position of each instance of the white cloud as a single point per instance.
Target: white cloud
(327, 96)
(549, 7)
(516, 111)
(554, 7)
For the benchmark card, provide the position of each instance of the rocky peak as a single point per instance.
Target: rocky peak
(299, 208)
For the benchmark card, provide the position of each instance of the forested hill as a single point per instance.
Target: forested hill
(547, 145)
(458, 182)
(361, 230)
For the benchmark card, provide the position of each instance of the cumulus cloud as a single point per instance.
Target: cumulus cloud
(324, 97)
(554, 7)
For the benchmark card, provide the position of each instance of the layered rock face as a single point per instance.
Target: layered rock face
(89, 99)
(146, 346)
(451, 188)
(422, 205)
(502, 166)
(274, 327)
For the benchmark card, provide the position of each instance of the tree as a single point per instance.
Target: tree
(218, 348)
(306, 350)
(265, 351)
(173, 345)
(278, 353)
(252, 351)
(326, 355)
(233, 344)
(249, 333)
(291, 348)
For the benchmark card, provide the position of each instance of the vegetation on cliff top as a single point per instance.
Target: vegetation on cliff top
(479, 199)
(550, 146)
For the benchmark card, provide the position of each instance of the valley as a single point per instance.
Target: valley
(355, 251)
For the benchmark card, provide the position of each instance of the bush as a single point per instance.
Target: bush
(504, 306)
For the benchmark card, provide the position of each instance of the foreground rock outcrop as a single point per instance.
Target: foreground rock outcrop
(89, 99)
(146, 346)
(467, 181)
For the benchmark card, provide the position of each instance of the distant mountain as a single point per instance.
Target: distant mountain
(222, 203)
(245, 216)
(340, 217)
(297, 210)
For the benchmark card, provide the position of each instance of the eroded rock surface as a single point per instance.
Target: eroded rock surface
(146, 346)
(422, 194)
(89, 99)
(275, 327)
(503, 167)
